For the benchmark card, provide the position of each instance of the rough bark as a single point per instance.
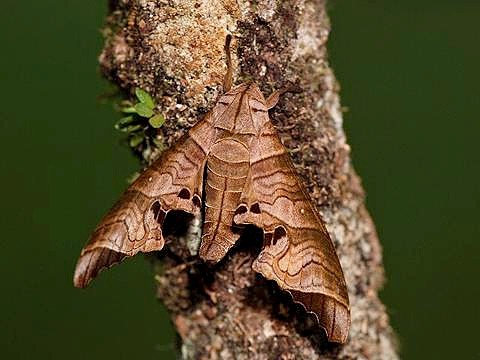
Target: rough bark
(174, 50)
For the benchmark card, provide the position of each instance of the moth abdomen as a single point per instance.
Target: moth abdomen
(226, 175)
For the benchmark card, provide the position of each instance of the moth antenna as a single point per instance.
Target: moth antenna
(275, 96)
(228, 80)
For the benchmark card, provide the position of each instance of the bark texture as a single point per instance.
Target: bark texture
(174, 50)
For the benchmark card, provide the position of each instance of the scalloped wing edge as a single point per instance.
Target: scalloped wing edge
(335, 324)
(88, 268)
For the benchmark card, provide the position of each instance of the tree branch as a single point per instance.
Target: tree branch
(174, 50)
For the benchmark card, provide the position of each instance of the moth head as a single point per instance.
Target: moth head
(254, 93)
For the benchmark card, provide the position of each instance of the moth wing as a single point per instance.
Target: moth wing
(298, 253)
(134, 224)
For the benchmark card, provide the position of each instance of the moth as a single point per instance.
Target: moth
(232, 168)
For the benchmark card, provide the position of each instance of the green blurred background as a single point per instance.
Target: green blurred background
(409, 72)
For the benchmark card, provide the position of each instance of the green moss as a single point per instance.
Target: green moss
(140, 123)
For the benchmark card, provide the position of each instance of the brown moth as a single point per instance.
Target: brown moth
(235, 161)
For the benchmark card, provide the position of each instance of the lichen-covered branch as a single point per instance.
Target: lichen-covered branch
(174, 50)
